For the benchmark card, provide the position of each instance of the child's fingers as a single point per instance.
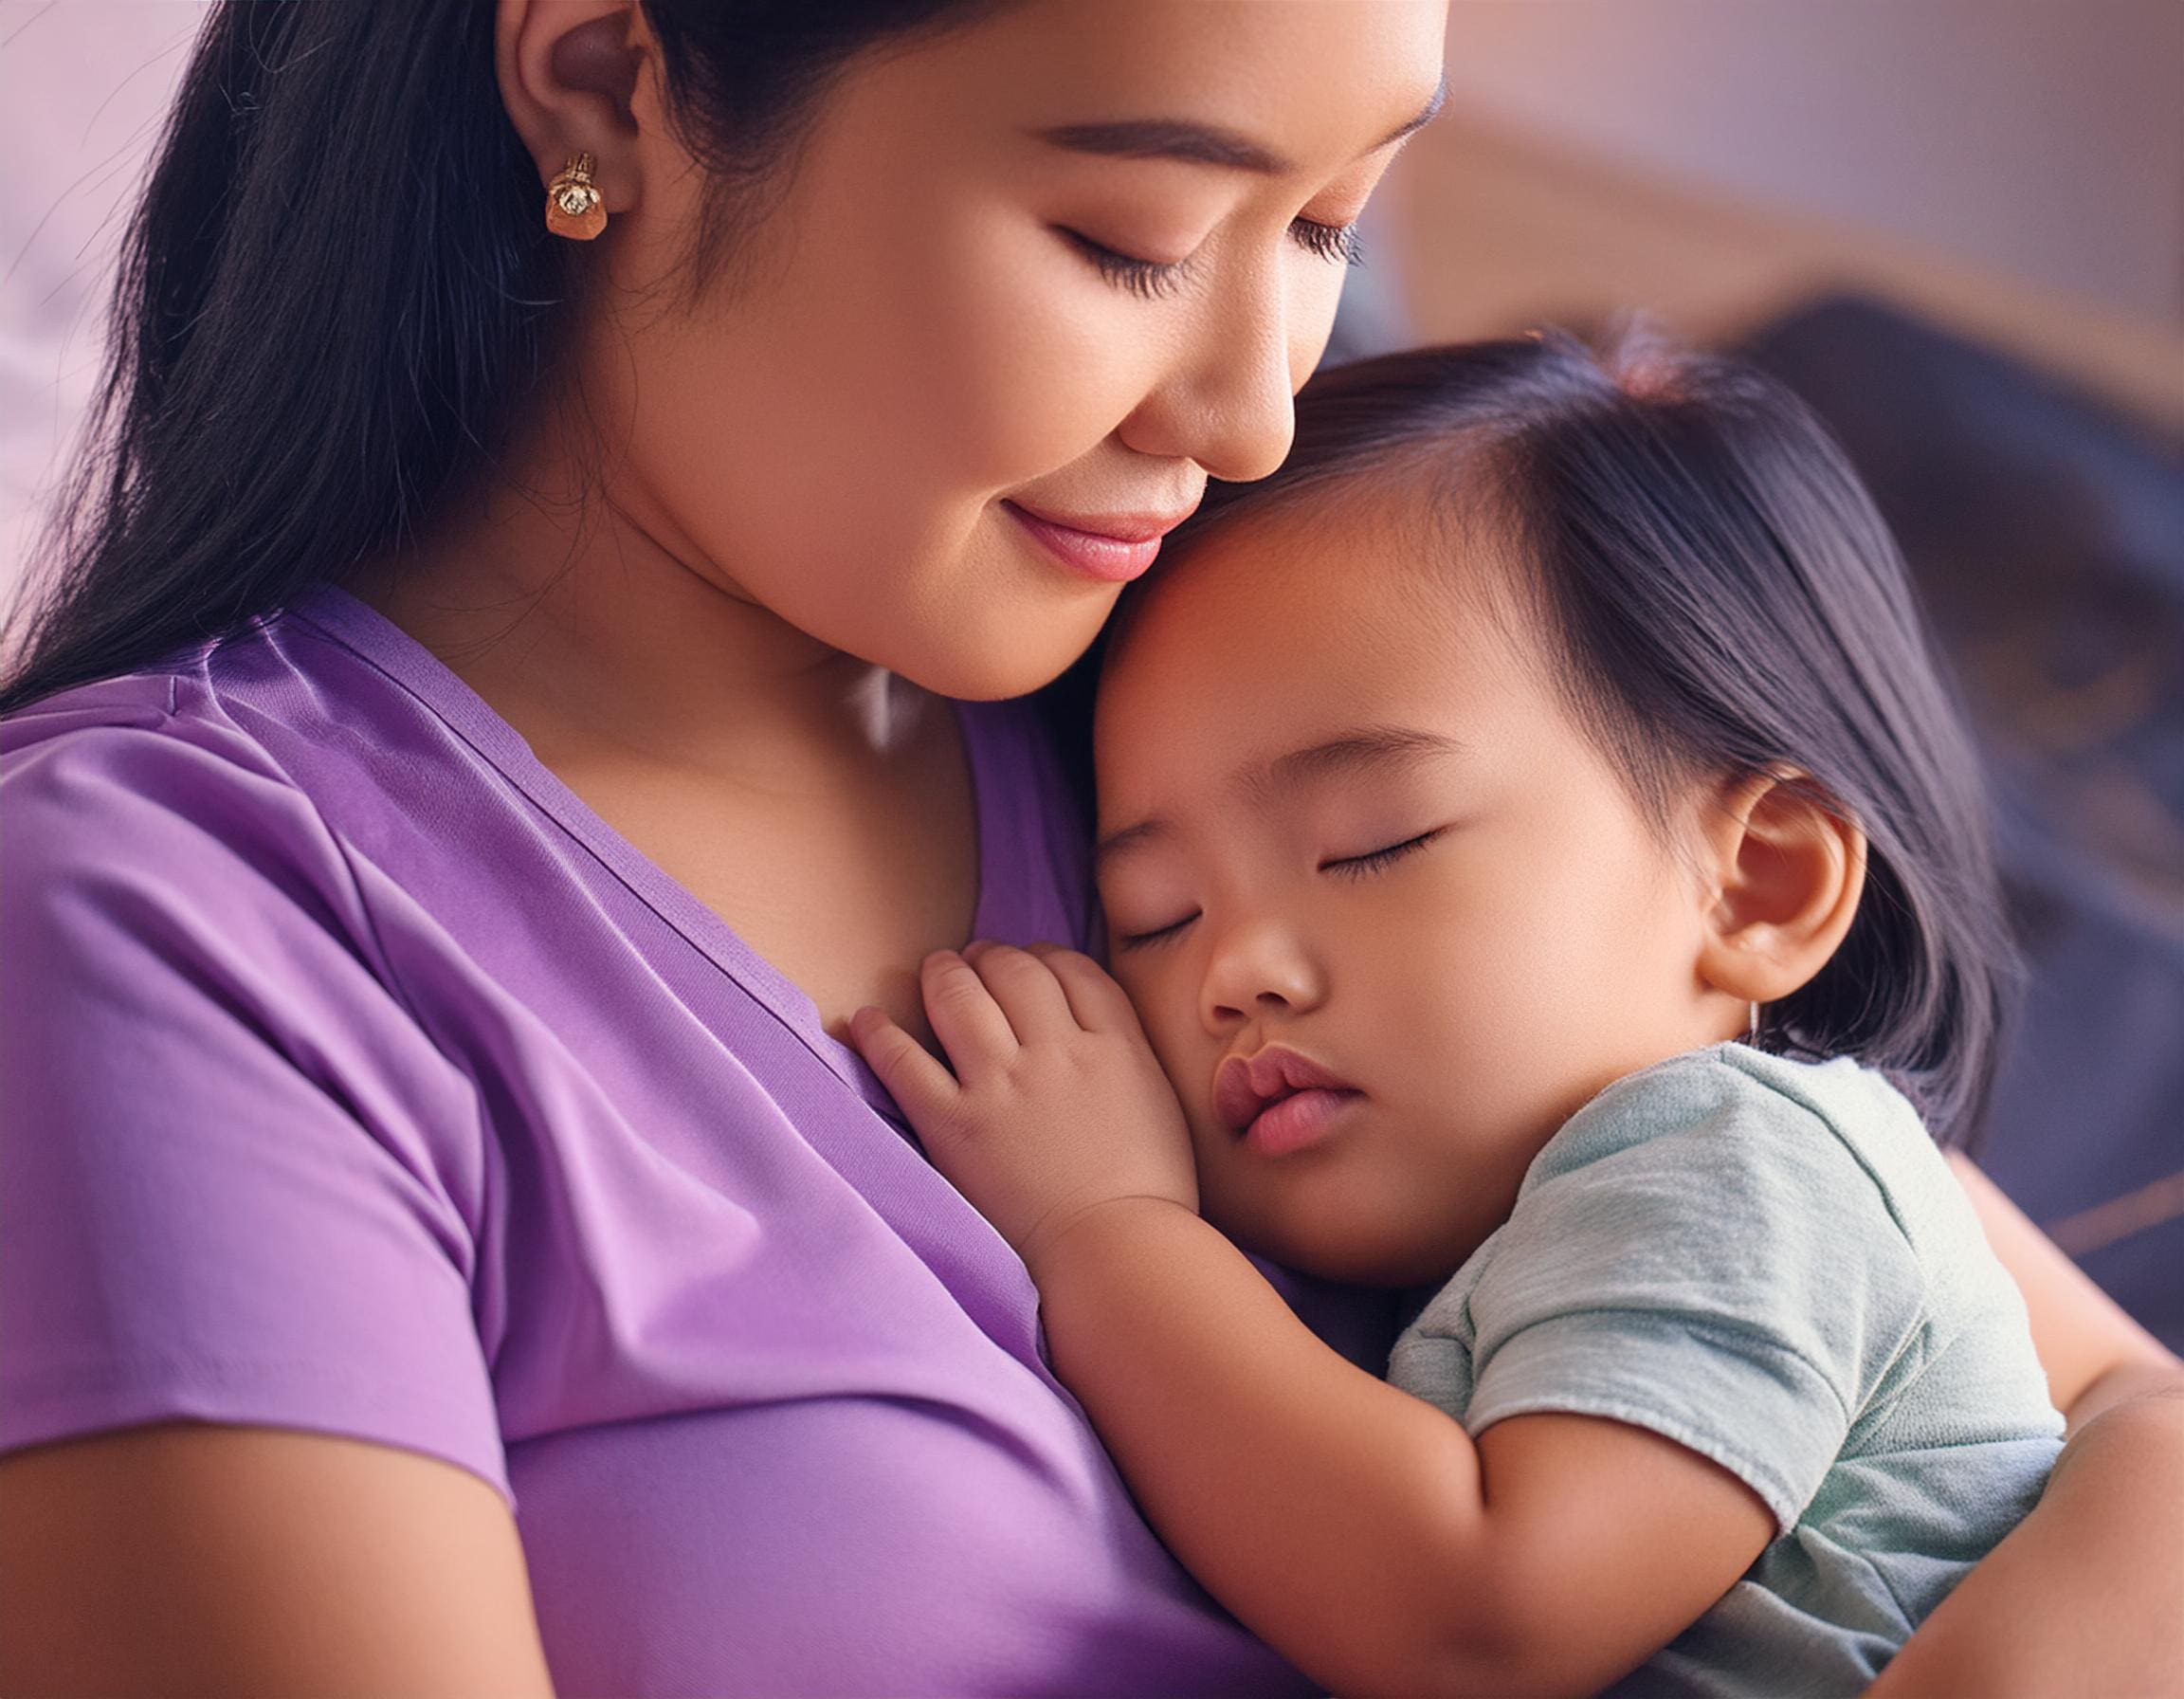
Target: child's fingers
(913, 1076)
(1026, 990)
(1099, 1004)
(964, 1017)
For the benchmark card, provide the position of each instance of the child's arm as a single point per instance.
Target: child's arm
(1354, 1528)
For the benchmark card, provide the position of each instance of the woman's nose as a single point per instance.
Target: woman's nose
(1228, 403)
(1258, 974)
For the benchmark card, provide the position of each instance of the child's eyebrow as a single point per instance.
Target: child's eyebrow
(1361, 748)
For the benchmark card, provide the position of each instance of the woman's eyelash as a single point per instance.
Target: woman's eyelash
(1375, 860)
(1329, 241)
(1151, 279)
(1148, 278)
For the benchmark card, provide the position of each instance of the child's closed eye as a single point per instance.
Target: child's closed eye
(1374, 860)
(1159, 935)
(1354, 866)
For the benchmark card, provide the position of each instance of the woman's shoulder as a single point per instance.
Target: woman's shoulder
(216, 699)
(162, 777)
(307, 744)
(227, 1128)
(164, 859)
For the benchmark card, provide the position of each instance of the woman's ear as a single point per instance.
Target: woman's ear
(1785, 869)
(568, 72)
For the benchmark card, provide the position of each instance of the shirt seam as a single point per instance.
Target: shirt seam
(1714, 1332)
(119, 1378)
(387, 972)
(384, 958)
(1748, 1466)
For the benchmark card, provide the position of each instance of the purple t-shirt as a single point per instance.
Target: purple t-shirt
(359, 1078)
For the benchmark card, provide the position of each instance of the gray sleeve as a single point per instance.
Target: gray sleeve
(1729, 1277)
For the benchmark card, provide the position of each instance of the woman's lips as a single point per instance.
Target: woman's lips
(1108, 558)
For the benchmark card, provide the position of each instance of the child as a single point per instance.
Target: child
(1539, 851)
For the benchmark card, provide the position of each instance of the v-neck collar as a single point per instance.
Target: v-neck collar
(356, 625)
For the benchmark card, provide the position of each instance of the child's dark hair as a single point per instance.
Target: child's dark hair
(1725, 599)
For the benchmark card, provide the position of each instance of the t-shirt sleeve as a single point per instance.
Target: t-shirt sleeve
(238, 1181)
(1707, 1261)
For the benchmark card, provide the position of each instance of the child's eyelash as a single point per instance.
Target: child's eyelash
(1354, 866)
(1374, 860)
(1149, 279)
(1135, 941)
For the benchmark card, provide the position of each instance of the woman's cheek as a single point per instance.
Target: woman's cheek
(1055, 359)
(1312, 322)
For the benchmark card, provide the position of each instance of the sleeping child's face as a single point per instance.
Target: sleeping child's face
(1351, 836)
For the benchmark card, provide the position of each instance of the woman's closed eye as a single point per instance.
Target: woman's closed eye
(1337, 242)
(1154, 277)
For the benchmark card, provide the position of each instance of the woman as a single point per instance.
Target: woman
(494, 731)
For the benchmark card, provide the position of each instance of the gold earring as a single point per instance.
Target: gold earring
(573, 206)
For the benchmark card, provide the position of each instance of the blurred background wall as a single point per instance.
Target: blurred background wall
(1956, 226)
(2013, 168)
(83, 86)
(2038, 139)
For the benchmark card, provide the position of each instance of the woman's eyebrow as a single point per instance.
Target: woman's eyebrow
(1359, 749)
(1167, 138)
(1203, 145)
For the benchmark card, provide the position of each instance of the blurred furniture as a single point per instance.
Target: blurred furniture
(1490, 231)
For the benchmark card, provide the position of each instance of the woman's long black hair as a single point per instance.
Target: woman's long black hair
(1725, 599)
(337, 293)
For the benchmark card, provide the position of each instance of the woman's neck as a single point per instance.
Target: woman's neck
(590, 632)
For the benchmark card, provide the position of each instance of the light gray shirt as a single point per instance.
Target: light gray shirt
(1770, 1263)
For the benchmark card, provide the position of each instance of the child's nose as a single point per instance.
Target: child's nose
(1258, 973)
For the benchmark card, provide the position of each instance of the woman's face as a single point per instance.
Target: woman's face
(1065, 263)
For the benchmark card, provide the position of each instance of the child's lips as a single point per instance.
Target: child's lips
(1298, 1120)
(1253, 1092)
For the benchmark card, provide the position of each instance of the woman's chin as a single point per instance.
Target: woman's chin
(1026, 661)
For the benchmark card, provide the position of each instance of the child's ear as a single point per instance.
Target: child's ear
(1786, 872)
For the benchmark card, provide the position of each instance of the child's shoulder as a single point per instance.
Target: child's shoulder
(1735, 1078)
(1729, 1110)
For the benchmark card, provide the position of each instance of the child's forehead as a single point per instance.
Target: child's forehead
(1367, 569)
(1272, 633)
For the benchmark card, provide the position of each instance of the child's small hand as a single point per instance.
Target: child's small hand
(1057, 1106)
